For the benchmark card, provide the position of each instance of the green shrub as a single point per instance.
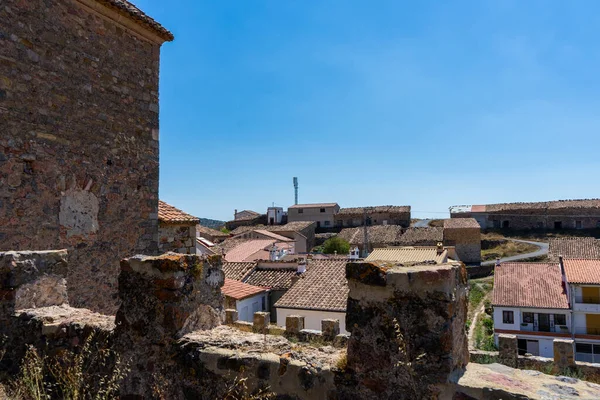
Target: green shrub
(336, 245)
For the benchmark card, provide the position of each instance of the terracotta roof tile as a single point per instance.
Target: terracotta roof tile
(314, 205)
(536, 285)
(273, 278)
(238, 270)
(543, 205)
(273, 235)
(322, 287)
(239, 290)
(580, 247)
(171, 215)
(245, 249)
(295, 226)
(375, 209)
(461, 223)
(379, 234)
(204, 230)
(582, 271)
(426, 236)
(127, 8)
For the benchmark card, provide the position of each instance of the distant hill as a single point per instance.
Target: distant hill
(212, 223)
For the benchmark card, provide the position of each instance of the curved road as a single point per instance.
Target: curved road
(541, 251)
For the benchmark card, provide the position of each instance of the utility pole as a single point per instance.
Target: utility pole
(365, 252)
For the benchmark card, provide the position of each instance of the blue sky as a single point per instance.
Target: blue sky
(426, 103)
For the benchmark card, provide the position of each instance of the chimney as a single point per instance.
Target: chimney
(439, 248)
(301, 266)
(273, 253)
(497, 262)
(235, 214)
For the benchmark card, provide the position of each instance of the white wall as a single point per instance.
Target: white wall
(498, 324)
(248, 306)
(312, 318)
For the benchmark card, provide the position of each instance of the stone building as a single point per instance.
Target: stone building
(547, 215)
(379, 215)
(321, 213)
(79, 141)
(465, 235)
(176, 230)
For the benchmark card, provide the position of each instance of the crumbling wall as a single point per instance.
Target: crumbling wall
(179, 238)
(467, 242)
(79, 142)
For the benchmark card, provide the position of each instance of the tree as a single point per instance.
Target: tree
(336, 244)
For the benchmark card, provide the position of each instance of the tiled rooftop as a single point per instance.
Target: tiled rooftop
(376, 209)
(273, 235)
(540, 205)
(535, 285)
(171, 215)
(127, 8)
(238, 270)
(380, 234)
(461, 223)
(576, 247)
(239, 290)
(203, 230)
(245, 215)
(582, 271)
(314, 205)
(426, 236)
(408, 255)
(246, 249)
(273, 278)
(322, 287)
(295, 226)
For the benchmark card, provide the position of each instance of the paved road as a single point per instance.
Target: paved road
(422, 223)
(541, 251)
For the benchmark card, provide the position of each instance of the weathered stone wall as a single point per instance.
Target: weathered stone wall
(467, 242)
(407, 328)
(376, 218)
(540, 219)
(79, 142)
(177, 238)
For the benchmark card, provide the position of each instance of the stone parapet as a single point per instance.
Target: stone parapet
(294, 324)
(261, 322)
(508, 350)
(407, 328)
(330, 328)
(564, 355)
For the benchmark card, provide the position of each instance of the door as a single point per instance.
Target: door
(544, 323)
(244, 314)
(592, 323)
(533, 347)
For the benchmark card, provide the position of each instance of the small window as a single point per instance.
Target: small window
(300, 211)
(598, 224)
(508, 317)
(583, 348)
(528, 317)
(326, 223)
(263, 303)
(560, 319)
(322, 210)
(557, 224)
(505, 224)
(577, 224)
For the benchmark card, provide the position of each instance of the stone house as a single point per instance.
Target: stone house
(465, 235)
(79, 143)
(321, 213)
(176, 230)
(213, 235)
(547, 215)
(246, 218)
(379, 215)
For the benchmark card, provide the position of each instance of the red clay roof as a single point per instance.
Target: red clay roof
(575, 247)
(237, 270)
(478, 208)
(322, 287)
(128, 9)
(582, 271)
(169, 214)
(536, 285)
(245, 249)
(239, 290)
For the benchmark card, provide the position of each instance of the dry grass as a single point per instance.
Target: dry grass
(504, 248)
(436, 223)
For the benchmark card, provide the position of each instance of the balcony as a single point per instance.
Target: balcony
(530, 327)
(582, 330)
(586, 304)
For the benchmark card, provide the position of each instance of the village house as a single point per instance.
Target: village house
(246, 218)
(301, 232)
(260, 249)
(276, 216)
(321, 213)
(245, 299)
(574, 247)
(538, 302)
(465, 235)
(176, 230)
(414, 255)
(548, 215)
(378, 215)
(210, 234)
(80, 133)
(319, 293)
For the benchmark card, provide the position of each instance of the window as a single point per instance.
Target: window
(508, 317)
(528, 318)
(326, 223)
(263, 303)
(560, 319)
(557, 224)
(583, 348)
(300, 211)
(577, 224)
(505, 224)
(322, 210)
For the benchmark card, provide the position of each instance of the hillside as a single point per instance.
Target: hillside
(211, 223)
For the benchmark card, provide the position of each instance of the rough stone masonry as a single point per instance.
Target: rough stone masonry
(79, 137)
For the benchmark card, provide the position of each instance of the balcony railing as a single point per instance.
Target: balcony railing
(529, 327)
(582, 330)
(587, 300)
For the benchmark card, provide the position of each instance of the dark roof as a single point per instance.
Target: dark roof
(273, 278)
(426, 236)
(200, 229)
(575, 247)
(582, 271)
(246, 215)
(171, 215)
(375, 209)
(535, 285)
(237, 270)
(540, 205)
(461, 223)
(322, 287)
(380, 234)
(128, 9)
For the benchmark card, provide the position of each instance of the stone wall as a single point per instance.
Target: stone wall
(79, 142)
(179, 238)
(376, 218)
(540, 219)
(467, 241)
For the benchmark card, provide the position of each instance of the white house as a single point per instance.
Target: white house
(319, 293)
(275, 215)
(531, 302)
(246, 299)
